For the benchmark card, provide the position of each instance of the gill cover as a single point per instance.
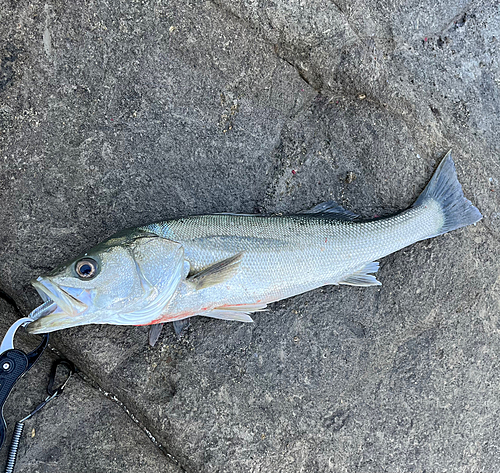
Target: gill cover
(137, 275)
(159, 267)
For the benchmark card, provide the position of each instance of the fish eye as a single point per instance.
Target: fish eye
(86, 268)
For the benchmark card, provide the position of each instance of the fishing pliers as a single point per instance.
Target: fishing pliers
(14, 363)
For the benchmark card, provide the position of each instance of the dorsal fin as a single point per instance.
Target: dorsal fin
(331, 209)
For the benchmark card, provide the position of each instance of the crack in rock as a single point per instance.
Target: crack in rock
(111, 396)
(9, 300)
(87, 379)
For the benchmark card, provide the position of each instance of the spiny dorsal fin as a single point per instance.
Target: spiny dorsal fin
(216, 273)
(331, 209)
(362, 278)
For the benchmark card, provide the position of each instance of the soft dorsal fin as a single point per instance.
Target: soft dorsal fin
(331, 209)
(216, 273)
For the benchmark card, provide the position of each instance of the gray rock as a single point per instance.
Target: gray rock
(114, 115)
(121, 131)
(81, 430)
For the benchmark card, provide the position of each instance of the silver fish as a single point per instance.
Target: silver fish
(227, 266)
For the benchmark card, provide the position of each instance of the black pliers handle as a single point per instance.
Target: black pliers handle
(14, 364)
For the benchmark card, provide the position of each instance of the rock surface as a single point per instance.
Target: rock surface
(119, 114)
(81, 430)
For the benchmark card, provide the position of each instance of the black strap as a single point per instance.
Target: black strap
(52, 393)
(52, 377)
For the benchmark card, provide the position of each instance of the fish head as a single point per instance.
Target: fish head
(126, 280)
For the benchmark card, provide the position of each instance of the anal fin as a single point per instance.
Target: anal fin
(224, 314)
(235, 312)
(362, 276)
(257, 307)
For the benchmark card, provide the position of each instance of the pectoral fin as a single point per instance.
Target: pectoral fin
(216, 273)
(362, 278)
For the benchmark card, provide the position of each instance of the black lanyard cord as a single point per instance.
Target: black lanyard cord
(52, 393)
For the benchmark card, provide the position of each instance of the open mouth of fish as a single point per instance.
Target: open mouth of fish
(70, 309)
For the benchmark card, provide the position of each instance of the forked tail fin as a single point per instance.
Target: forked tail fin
(445, 189)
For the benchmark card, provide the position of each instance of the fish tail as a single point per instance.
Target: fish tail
(445, 190)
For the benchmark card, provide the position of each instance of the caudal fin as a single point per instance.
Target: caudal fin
(445, 189)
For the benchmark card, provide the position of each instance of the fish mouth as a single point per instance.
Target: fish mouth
(70, 310)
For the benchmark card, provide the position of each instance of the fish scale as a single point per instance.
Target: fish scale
(227, 265)
(286, 255)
